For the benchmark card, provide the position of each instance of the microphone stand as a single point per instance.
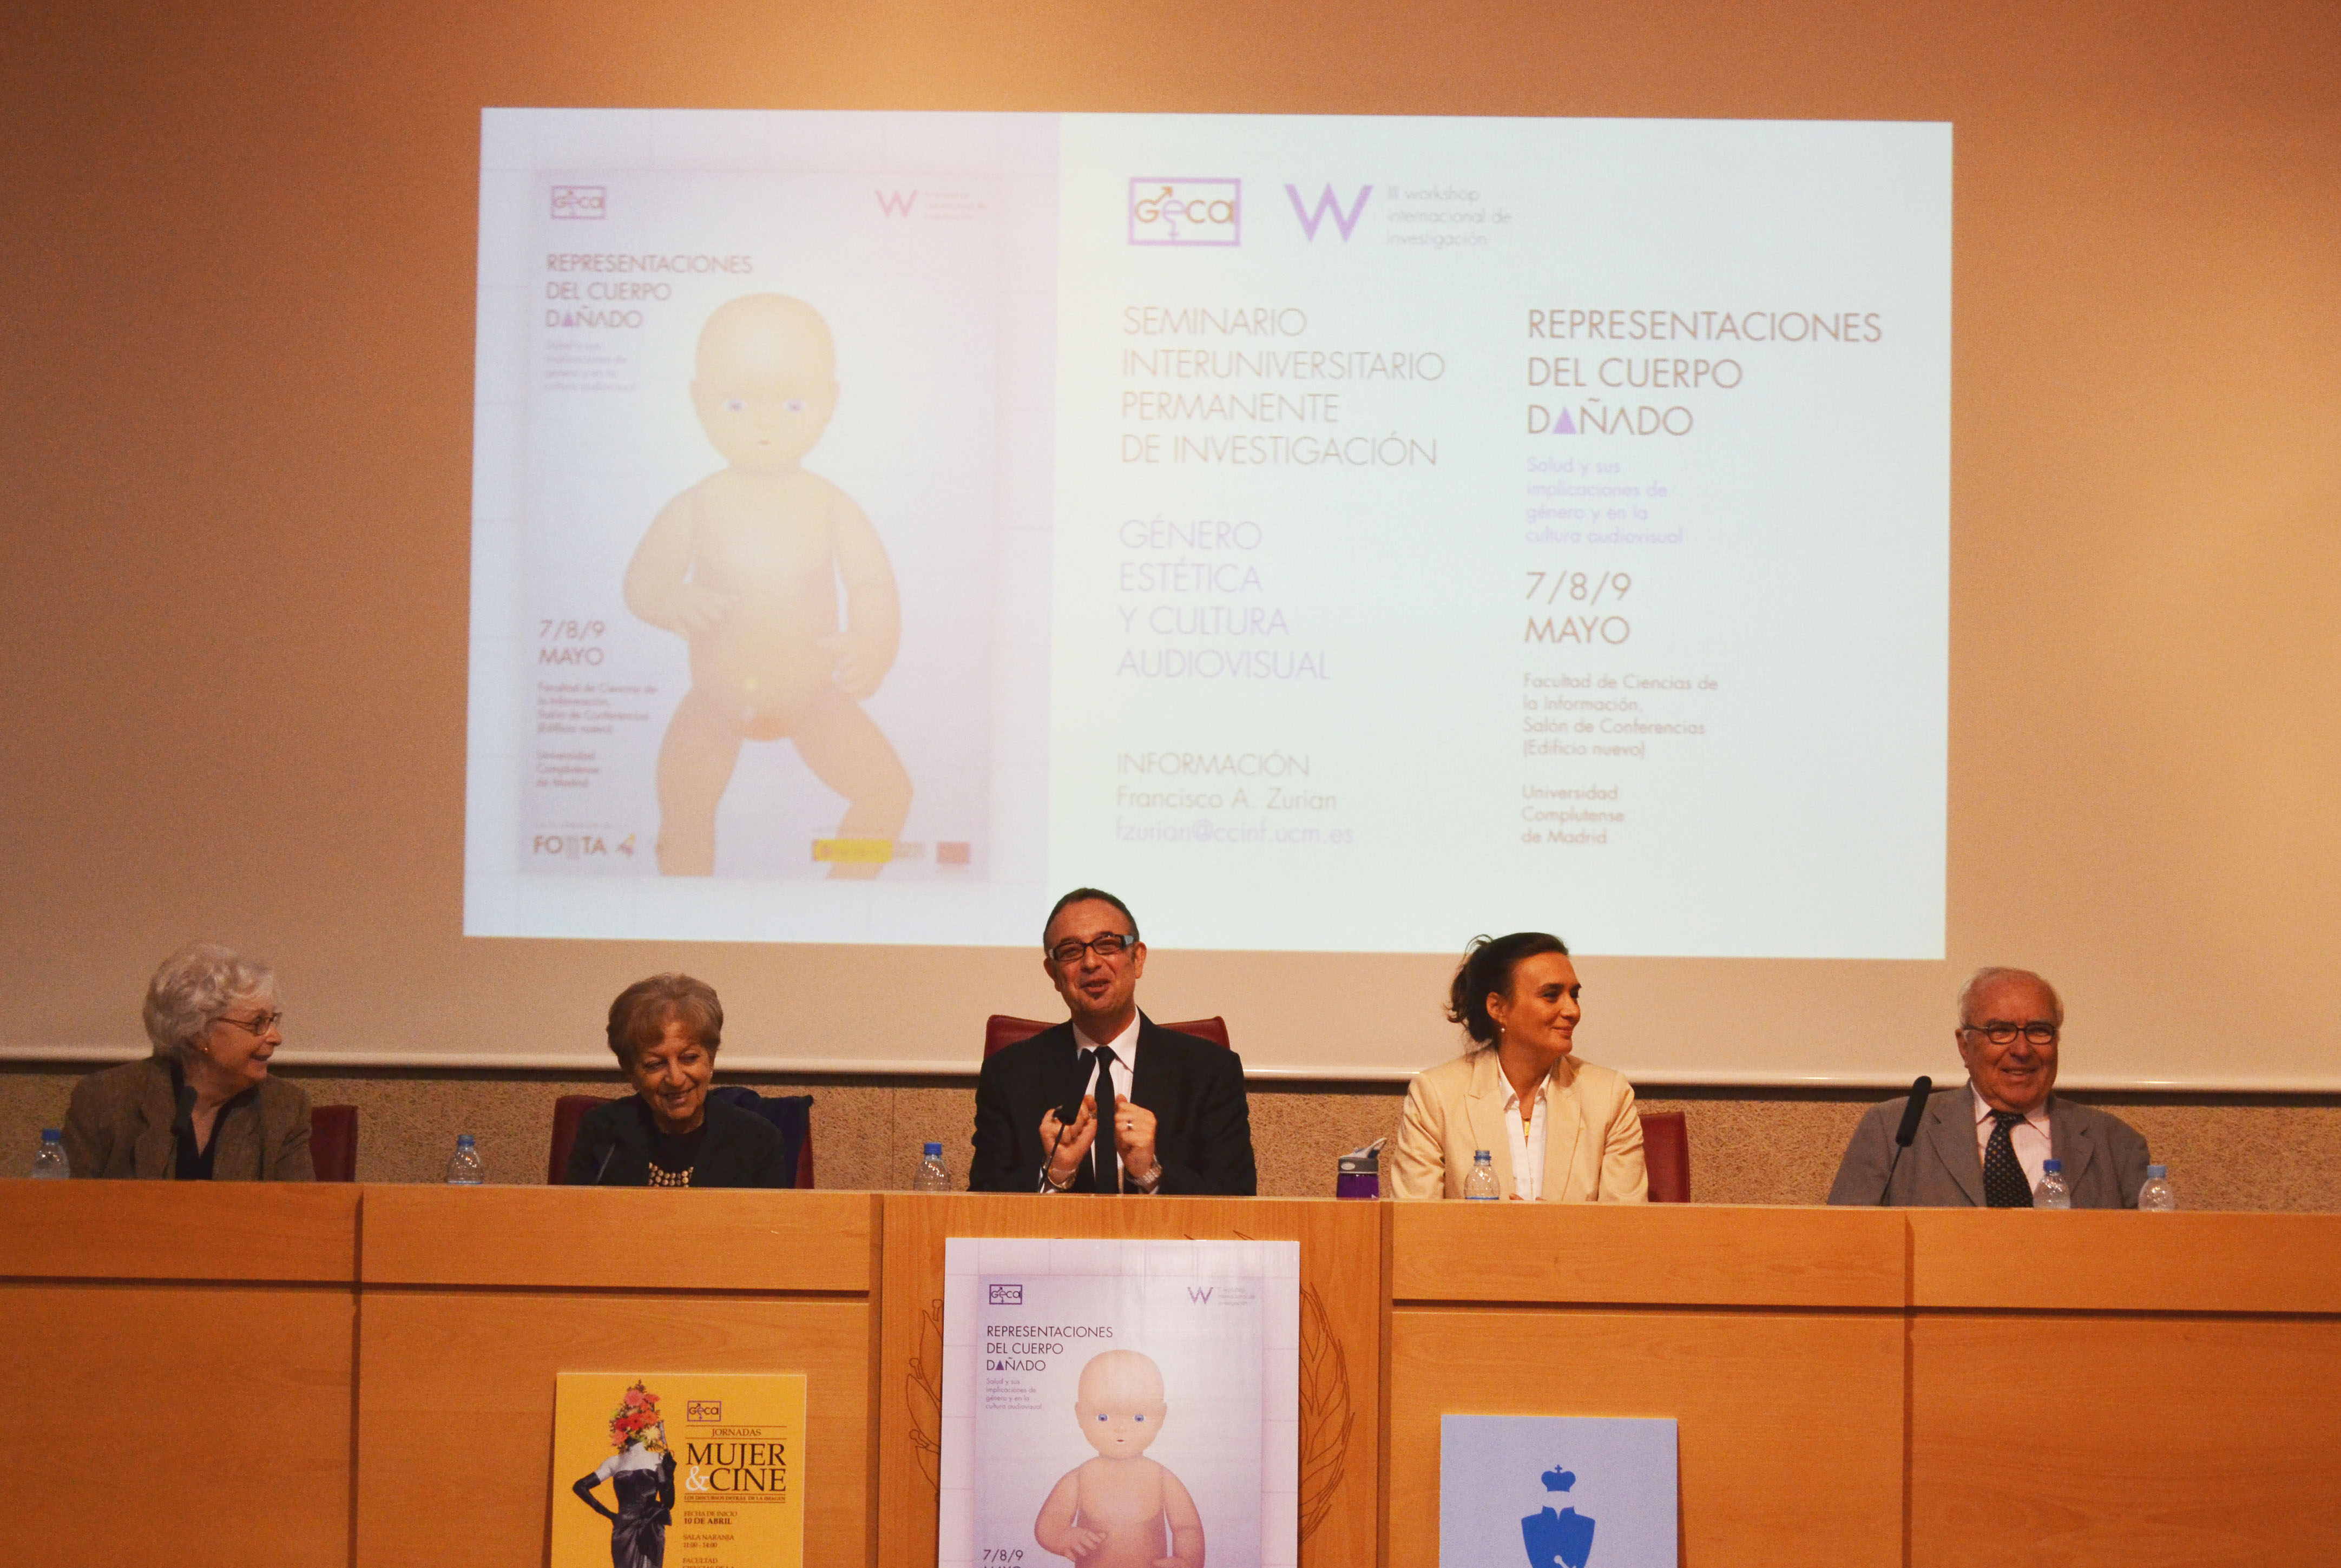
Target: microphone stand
(1920, 1088)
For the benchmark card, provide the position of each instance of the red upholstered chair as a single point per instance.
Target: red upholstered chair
(1000, 1031)
(569, 1110)
(333, 1142)
(1666, 1151)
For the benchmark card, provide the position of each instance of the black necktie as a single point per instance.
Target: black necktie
(2004, 1186)
(1108, 1173)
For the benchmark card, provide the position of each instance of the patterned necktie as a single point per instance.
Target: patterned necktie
(2004, 1186)
(1108, 1173)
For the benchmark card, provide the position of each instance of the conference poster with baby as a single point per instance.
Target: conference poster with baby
(1121, 1403)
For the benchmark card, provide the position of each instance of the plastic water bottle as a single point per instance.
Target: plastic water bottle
(2053, 1192)
(932, 1175)
(2158, 1195)
(1480, 1185)
(49, 1159)
(463, 1167)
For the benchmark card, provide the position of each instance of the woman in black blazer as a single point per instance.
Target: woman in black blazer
(665, 1032)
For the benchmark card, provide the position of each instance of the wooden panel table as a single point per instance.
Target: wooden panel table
(1773, 1336)
(1341, 1345)
(2114, 1387)
(473, 1299)
(180, 1357)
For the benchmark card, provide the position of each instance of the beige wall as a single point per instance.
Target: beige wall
(235, 529)
(2257, 1153)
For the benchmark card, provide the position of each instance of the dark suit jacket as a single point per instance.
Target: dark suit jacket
(741, 1148)
(119, 1124)
(1195, 1087)
(2104, 1157)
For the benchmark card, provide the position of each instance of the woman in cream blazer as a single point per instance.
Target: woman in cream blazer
(1516, 998)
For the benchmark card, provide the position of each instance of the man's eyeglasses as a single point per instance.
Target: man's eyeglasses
(1112, 945)
(257, 1026)
(2003, 1034)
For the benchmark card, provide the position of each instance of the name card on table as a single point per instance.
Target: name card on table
(1556, 1492)
(705, 1468)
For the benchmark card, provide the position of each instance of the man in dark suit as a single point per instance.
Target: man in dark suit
(1159, 1111)
(1982, 1144)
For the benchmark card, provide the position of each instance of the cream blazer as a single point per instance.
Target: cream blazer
(1592, 1142)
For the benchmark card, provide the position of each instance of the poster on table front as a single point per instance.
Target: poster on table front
(1121, 1403)
(658, 1468)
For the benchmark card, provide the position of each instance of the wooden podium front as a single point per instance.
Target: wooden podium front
(335, 1374)
(1773, 1337)
(474, 1298)
(179, 1363)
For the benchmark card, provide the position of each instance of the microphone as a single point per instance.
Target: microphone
(1920, 1088)
(1084, 1065)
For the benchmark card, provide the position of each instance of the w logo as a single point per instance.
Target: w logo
(1329, 202)
(1201, 1297)
(896, 203)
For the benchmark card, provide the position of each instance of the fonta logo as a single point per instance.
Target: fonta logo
(580, 201)
(571, 846)
(1007, 1295)
(1186, 212)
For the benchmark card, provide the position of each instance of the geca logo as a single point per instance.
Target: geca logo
(1186, 212)
(580, 201)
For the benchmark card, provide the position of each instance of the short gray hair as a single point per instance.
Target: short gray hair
(1991, 972)
(195, 986)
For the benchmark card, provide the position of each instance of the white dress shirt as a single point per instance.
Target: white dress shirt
(1528, 1143)
(1124, 1046)
(2029, 1137)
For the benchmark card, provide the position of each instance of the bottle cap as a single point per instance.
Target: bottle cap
(934, 1151)
(2052, 1165)
(52, 1135)
(1482, 1154)
(2157, 1173)
(463, 1140)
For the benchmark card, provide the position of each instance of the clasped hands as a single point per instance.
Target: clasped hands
(1134, 1139)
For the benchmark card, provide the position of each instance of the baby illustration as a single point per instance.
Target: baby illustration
(745, 565)
(1121, 1509)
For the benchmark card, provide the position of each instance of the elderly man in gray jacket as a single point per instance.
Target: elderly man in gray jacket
(1982, 1144)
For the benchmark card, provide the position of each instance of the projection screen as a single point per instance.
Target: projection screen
(1333, 534)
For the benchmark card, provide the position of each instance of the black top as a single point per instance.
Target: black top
(734, 1147)
(675, 1153)
(1195, 1087)
(189, 1162)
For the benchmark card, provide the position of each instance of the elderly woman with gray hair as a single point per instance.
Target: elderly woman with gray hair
(203, 1107)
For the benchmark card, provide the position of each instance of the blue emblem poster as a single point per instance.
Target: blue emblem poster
(1556, 1492)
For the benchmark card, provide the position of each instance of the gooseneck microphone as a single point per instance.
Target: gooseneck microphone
(1920, 1088)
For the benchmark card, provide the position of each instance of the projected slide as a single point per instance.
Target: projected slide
(1333, 534)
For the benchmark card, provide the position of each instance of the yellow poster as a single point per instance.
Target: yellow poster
(678, 1470)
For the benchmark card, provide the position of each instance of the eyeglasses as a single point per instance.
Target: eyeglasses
(2003, 1034)
(1112, 945)
(257, 1026)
